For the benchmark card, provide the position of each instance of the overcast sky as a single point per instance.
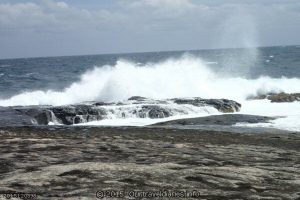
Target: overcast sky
(32, 28)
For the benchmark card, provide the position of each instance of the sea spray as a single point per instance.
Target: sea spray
(187, 76)
(239, 31)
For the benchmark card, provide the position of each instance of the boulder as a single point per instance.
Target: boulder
(222, 105)
(277, 97)
(39, 115)
(137, 98)
(65, 114)
(75, 114)
(154, 111)
(284, 97)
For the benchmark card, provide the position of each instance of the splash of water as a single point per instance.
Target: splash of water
(184, 77)
(239, 31)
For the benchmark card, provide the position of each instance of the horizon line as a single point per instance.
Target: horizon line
(142, 52)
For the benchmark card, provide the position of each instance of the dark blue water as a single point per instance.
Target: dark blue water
(28, 74)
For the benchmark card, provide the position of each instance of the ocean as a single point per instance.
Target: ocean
(234, 74)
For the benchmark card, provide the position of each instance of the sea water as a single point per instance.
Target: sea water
(235, 74)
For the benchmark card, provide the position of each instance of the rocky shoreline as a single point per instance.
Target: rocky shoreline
(202, 158)
(67, 162)
(136, 106)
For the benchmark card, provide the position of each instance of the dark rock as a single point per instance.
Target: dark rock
(284, 97)
(153, 112)
(277, 97)
(137, 98)
(78, 173)
(14, 117)
(100, 103)
(77, 120)
(223, 120)
(75, 114)
(80, 113)
(223, 105)
(64, 114)
(42, 116)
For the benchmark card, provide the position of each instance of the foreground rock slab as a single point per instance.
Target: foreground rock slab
(76, 162)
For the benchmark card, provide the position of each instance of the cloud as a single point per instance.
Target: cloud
(146, 25)
(25, 14)
(138, 15)
(52, 16)
(162, 7)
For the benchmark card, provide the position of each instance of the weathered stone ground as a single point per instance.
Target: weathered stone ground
(75, 162)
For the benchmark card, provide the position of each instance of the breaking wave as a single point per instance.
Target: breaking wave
(184, 77)
(187, 76)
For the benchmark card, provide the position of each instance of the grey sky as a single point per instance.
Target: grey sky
(30, 28)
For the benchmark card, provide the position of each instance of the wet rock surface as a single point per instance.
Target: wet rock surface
(223, 120)
(279, 97)
(136, 106)
(284, 97)
(76, 162)
(222, 105)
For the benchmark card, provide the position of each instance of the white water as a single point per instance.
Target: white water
(116, 114)
(184, 77)
(289, 113)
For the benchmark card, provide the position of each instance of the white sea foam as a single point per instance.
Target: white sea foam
(184, 77)
(127, 115)
(288, 113)
(134, 121)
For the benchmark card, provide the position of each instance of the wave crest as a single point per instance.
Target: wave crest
(187, 76)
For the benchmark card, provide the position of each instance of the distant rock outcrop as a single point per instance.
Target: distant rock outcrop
(278, 97)
(284, 97)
